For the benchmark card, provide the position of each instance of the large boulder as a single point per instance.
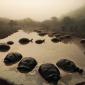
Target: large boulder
(4, 47)
(50, 73)
(68, 66)
(12, 58)
(26, 65)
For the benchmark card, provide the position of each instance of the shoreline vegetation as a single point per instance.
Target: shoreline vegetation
(67, 25)
(73, 25)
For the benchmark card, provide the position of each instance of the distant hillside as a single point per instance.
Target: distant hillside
(6, 20)
(79, 13)
(72, 23)
(7, 27)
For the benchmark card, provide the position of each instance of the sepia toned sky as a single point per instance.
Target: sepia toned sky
(37, 9)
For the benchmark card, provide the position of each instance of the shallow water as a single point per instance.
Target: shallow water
(47, 52)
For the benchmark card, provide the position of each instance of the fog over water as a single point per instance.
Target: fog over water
(37, 9)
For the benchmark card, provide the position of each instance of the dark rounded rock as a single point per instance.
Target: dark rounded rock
(42, 34)
(81, 83)
(26, 65)
(39, 41)
(5, 82)
(55, 40)
(4, 47)
(10, 42)
(82, 41)
(25, 41)
(50, 73)
(12, 58)
(68, 66)
(38, 31)
(67, 36)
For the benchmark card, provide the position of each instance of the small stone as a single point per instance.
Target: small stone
(39, 41)
(10, 42)
(4, 47)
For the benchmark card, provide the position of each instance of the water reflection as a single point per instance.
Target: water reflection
(47, 52)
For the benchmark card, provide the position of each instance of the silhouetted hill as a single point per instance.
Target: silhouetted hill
(72, 23)
(79, 13)
(7, 27)
(4, 19)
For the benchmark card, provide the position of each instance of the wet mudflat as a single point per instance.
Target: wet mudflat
(47, 52)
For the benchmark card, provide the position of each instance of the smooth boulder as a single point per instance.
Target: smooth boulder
(42, 34)
(67, 36)
(38, 31)
(55, 40)
(5, 82)
(81, 83)
(39, 41)
(68, 66)
(4, 47)
(50, 73)
(26, 65)
(12, 58)
(24, 41)
(82, 41)
(10, 42)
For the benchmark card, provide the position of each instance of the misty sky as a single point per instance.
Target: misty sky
(37, 9)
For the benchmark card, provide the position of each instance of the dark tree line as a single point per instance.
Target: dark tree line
(67, 24)
(7, 27)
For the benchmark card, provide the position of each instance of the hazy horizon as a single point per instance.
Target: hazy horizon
(37, 9)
